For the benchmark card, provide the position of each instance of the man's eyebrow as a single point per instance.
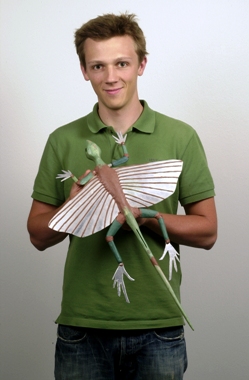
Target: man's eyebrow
(123, 59)
(98, 61)
(95, 61)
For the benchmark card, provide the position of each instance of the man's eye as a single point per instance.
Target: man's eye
(97, 67)
(122, 64)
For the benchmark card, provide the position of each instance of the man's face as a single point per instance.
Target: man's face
(112, 67)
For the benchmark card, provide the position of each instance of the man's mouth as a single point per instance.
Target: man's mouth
(113, 91)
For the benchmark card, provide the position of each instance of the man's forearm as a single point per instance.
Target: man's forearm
(41, 236)
(196, 229)
(190, 230)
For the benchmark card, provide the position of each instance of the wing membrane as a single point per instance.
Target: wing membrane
(148, 184)
(93, 208)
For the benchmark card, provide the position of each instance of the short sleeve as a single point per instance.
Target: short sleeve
(196, 182)
(46, 187)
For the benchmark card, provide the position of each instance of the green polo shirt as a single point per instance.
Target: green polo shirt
(89, 299)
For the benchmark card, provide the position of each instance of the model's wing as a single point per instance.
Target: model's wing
(91, 210)
(148, 184)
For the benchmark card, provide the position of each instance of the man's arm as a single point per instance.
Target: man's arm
(41, 236)
(198, 228)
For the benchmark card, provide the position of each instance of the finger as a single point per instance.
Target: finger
(125, 293)
(164, 253)
(170, 269)
(140, 221)
(119, 289)
(175, 266)
(83, 176)
(127, 275)
(126, 227)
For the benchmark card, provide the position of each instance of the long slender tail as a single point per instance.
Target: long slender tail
(131, 221)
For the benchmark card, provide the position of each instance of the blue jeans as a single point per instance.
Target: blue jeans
(92, 354)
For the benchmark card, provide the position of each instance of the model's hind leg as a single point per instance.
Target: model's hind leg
(118, 277)
(173, 254)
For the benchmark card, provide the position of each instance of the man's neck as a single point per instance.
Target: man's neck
(121, 119)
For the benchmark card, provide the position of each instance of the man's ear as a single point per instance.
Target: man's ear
(142, 66)
(83, 70)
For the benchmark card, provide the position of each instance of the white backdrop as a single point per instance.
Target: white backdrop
(198, 71)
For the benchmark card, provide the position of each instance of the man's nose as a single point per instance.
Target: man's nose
(111, 74)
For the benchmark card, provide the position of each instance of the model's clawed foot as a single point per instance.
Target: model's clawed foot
(173, 256)
(118, 278)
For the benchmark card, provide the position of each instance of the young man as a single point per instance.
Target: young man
(100, 336)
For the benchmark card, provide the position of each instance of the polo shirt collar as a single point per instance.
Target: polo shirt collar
(145, 123)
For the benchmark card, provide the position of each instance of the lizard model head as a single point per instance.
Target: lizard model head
(93, 152)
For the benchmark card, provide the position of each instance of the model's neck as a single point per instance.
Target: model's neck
(121, 119)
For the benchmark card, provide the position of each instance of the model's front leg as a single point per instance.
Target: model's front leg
(67, 174)
(121, 141)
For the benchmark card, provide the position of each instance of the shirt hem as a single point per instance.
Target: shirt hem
(121, 325)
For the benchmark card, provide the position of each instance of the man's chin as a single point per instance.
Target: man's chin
(114, 106)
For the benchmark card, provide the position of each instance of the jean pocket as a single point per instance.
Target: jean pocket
(71, 334)
(170, 334)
